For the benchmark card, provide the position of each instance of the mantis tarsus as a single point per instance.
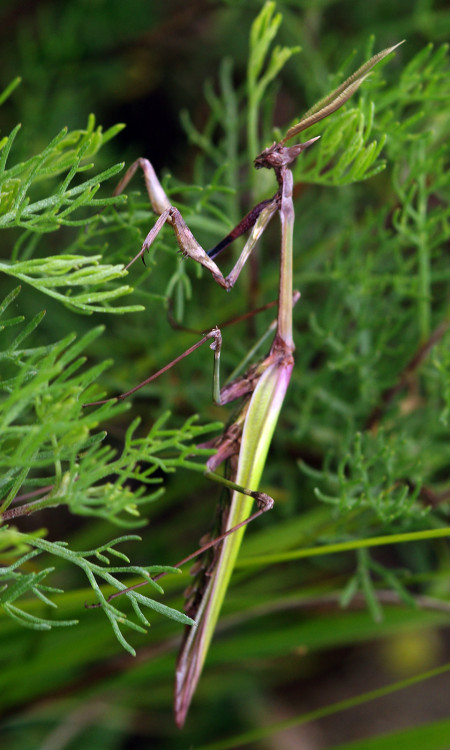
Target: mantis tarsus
(246, 441)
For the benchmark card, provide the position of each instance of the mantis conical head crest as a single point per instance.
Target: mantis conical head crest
(339, 96)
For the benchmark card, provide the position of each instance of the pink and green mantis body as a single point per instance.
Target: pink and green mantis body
(245, 443)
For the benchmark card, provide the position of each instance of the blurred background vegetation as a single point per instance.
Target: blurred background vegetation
(366, 420)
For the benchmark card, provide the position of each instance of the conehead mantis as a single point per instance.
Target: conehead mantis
(245, 443)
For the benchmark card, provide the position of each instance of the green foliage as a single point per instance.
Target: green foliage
(263, 31)
(49, 448)
(361, 449)
(67, 152)
(17, 584)
(367, 478)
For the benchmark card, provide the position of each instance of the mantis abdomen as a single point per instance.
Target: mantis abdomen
(260, 421)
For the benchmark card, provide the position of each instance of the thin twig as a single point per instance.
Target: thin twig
(24, 510)
(405, 375)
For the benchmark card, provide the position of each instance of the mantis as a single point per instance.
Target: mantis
(245, 442)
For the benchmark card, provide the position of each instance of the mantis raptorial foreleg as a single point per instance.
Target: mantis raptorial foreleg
(257, 219)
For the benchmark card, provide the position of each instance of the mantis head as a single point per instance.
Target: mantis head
(278, 156)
